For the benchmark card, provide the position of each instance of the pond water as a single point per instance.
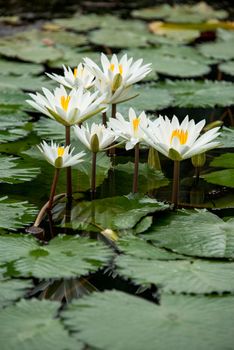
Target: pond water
(112, 269)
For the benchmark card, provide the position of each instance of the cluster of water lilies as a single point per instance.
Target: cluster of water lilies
(88, 90)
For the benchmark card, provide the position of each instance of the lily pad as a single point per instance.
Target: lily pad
(226, 138)
(222, 177)
(64, 256)
(195, 233)
(221, 50)
(19, 68)
(11, 173)
(30, 332)
(227, 68)
(178, 320)
(191, 94)
(224, 161)
(24, 82)
(15, 214)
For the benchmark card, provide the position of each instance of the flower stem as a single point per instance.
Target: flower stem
(136, 169)
(93, 177)
(69, 173)
(104, 118)
(53, 188)
(176, 183)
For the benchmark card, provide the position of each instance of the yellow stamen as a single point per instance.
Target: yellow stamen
(75, 72)
(112, 67)
(181, 135)
(65, 102)
(136, 123)
(60, 151)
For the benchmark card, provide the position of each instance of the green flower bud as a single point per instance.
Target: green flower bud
(117, 81)
(94, 144)
(110, 234)
(212, 125)
(58, 162)
(198, 160)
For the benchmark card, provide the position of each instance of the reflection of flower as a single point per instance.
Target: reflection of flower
(59, 156)
(130, 130)
(116, 76)
(180, 141)
(97, 138)
(80, 76)
(68, 109)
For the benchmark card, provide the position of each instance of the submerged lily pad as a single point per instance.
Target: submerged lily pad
(191, 94)
(122, 212)
(64, 256)
(43, 331)
(15, 214)
(177, 320)
(194, 233)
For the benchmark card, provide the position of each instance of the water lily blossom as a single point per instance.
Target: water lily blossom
(59, 156)
(130, 130)
(68, 108)
(96, 138)
(117, 76)
(80, 76)
(180, 141)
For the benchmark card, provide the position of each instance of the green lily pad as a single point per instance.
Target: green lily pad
(224, 161)
(227, 68)
(12, 290)
(174, 61)
(73, 57)
(21, 329)
(81, 23)
(15, 214)
(19, 68)
(177, 320)
(65, 256)
(24, 82)
(197, 276)
(226, 137)
(9, 97)
(222, 177)
(221, 50)
(200, 233)
(179, 13)
(191, 94)
(49, 129)
(12, 173)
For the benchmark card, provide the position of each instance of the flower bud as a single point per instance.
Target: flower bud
(212, 125)
(110, 234)
(199, 160)
(58, 162)
(117, 81)
(94, 144)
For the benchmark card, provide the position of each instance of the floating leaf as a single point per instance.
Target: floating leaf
(197, 276)
(73, 57)
(122, 212)
(226, 137)
(178, 35)
(12, 290)
(49, 129)
(149, 99)
(19, 68)
(224, 161)
(24, 82)
(191, 94)
(10, 97)
(140, 249)
(81, 23)
(22, 330)
(179, 13)
(178, 320)
(15, 214)
(179, 61)
(222, 177)
(227, 68)
(192, 233)
(11, 173)
(64, 256)
(221, 50)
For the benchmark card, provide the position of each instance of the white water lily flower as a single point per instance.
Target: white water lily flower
(129, 130)
(59, 156)
(180, 141)
(117, 76)
(68, 109)
(97, 138)
(80, 76)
